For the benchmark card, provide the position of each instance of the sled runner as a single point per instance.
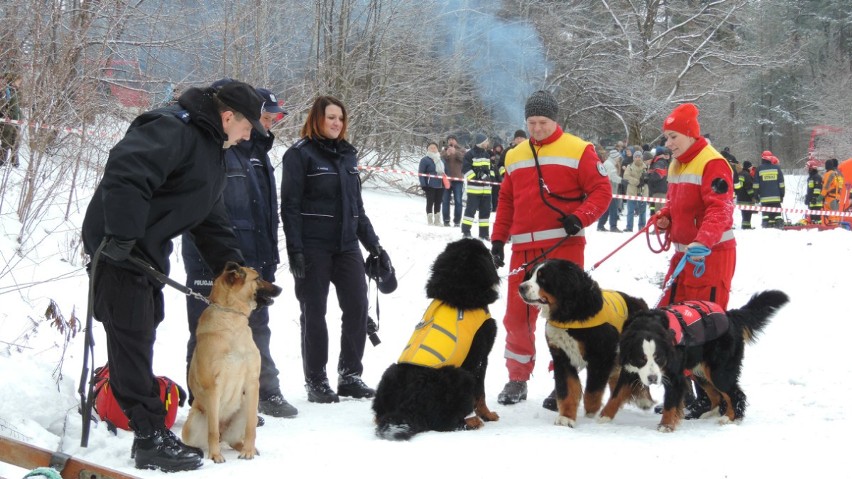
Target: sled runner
(28, 456)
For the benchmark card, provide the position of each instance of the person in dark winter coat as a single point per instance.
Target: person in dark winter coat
(813, 195)
(744, 190)
(251, 198)
(498, 170)
(657, 172)
(453, 156)
(433, 186)
(476, 168)
(770, 189)
(164, 178)
(324, 220)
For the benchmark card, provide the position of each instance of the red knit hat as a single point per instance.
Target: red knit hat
(684, 119)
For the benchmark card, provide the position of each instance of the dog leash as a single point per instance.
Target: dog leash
(694, 255)
(595, 266)
(151, 271)
(533, 261)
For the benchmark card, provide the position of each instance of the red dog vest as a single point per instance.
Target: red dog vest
(696, 322)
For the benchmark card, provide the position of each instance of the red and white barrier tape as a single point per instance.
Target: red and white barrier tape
(629, 197)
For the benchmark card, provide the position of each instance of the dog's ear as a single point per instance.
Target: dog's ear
(234, 273)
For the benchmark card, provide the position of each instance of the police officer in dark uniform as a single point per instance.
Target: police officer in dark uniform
(164, 178)
(251, 198)
(324, 221)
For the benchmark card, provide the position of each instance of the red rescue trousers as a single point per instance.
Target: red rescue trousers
(714, 285)
(520, 319)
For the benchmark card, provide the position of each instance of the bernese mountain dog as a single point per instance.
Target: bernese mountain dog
(584, 325)
(657, 346)
(438, 383)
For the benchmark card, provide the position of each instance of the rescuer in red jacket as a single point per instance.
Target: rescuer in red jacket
(699, 212)
(554, 186)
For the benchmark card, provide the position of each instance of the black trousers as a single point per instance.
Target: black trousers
(202, 282)
(434, 197)
(346, 271)
(131, 308)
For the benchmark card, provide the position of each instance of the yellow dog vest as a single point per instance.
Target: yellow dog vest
(443, 337)
(614, 312)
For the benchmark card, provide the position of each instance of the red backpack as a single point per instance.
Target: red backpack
(172, 395)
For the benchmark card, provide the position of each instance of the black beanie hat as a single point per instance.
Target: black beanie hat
(520, 134)
(541, 103)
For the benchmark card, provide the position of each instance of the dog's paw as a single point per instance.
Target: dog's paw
(473, 423)
(666, 428)
(490, 416)
(565, 421)
(604, 420)
(726, 420)
(248, 453)
(218, 458)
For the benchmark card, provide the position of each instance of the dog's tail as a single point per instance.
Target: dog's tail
(755, 315)
(395, 427)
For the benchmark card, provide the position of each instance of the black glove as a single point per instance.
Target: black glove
(497, 253)
(376, 250)
(118, 249)
(297, 265)
(571, 224)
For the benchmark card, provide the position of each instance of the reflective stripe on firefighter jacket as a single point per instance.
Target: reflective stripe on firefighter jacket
(813, 196)
(770, 183)
(444, 336)
(614, 312)
(696, 322)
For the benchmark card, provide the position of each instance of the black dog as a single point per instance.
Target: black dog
(438, 383)
(698, 336)
(583, 328)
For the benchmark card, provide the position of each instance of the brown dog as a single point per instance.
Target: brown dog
(225, 368)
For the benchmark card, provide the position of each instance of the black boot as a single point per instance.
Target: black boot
(276, 406)
(162, 450)
(699, 406)
(352, 386)
(513, 392)
(320, 392)
(550, 402)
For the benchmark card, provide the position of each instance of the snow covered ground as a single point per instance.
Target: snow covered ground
(795, 378)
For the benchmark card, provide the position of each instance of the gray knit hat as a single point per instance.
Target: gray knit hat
(541, 103)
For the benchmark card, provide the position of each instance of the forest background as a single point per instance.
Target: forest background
(764, 73)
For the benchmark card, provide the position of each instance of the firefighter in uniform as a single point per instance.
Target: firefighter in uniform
(770, 189)
(744, 190)
(476, 166)
(813, 195)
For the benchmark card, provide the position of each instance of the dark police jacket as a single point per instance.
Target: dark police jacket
(252, 203)
(165, 177)
(321, 204)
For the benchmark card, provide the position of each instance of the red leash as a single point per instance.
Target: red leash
(622, 246)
